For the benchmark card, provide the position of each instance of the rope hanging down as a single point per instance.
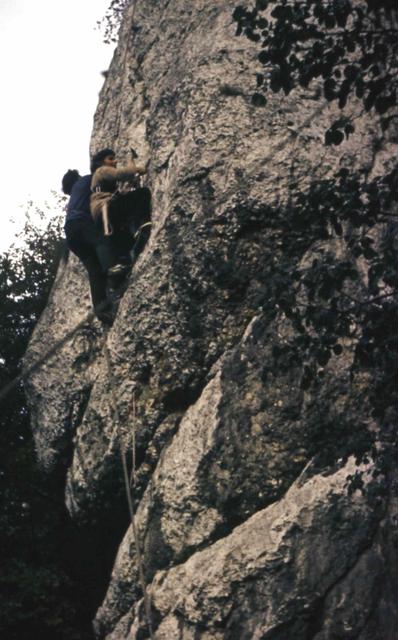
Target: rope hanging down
(127, 483)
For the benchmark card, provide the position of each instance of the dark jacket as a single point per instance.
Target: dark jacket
(79, 202)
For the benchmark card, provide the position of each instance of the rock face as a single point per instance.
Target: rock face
(246, 530)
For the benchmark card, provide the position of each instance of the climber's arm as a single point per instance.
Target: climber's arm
(107, 174)
(128, 171)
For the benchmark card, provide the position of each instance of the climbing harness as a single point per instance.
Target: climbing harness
(128, 486)
(120, 191)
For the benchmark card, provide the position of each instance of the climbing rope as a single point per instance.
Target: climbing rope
(133, 478)
(128, 485)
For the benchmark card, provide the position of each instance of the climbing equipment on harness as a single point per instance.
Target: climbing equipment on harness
(119, 269)
(140, 229)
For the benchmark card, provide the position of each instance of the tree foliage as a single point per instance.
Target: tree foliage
(38, 594)
(330, 282)
(334, 272)
(342, 298)
(26, 275)
(349, 46)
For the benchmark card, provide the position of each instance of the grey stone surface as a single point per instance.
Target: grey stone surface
(271, 577)
(59, 391)
(237, 449)
(234, 544)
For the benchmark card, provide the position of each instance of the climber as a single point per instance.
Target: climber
(118, 210)
(86, 242)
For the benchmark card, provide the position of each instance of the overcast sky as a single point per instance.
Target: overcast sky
(51, 58)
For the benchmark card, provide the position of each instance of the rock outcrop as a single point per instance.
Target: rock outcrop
(246, 530)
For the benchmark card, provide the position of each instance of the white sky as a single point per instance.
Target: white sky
(51, 58)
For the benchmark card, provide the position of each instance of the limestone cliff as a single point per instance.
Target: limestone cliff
(246, 532)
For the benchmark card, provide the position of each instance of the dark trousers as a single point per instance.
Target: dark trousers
(127, 213)
(89, 245)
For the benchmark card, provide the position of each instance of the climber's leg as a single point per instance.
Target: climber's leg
(141, 225)
(130, 215)
(111, 252)
(130, 210)
(119, 219)
(86, 243)
(97, 280)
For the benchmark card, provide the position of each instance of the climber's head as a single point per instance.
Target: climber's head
(104, 157)
(69, 179)
(109, 161)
